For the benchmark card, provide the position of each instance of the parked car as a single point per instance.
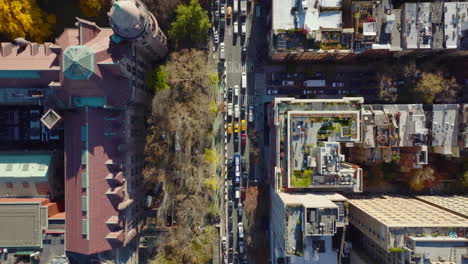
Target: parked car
(343, 91)
(338, 84)
(273, 82)
(239, 210)
(236, 90)
(236, 128)
(251, 114)
(272, 91)
(243, 193)
(222, 51)
(243, 28)
(331, 91)
(279, 75)
(215, 36)
(287, 83)
(243, 125)
(243, 54)
(237, 192)
(224, 243)
(243, 139)
(244, 80)
(230, 162)
(229, 128)
(307, 92)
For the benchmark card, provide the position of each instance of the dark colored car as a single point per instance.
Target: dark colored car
(244, 54)
(243, 164)
(273, 82)
(230, 162)
(331, 92)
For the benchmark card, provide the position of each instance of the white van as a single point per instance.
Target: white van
(229, 109)
(237, 196)
(244, 80)
(241, 230)
(236, 90)
(236, 28)
(243, 28)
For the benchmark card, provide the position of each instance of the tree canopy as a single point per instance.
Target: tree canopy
(156, 79)
(191, 24)
(24, 18)
(91, 8)
(432, 84)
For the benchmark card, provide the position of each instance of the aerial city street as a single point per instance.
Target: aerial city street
(233, 132)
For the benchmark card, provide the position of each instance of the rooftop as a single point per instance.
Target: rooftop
(310, 132)
(24, 165)
(456, 204)
(311, 215)
(400, 211)
(21, 224)
(445, 127)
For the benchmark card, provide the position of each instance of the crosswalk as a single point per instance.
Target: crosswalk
(233, 67)
(260, 84)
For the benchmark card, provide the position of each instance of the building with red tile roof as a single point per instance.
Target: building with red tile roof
(91, 81)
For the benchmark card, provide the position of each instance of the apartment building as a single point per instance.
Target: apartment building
(85, 95)
(307, 228)
(307, 137)
(343, 30)
(403, 229)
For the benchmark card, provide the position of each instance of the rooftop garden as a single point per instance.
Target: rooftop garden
(302, 179)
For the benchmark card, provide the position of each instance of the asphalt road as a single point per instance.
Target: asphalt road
(233, 69)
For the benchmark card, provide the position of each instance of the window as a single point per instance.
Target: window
(25, 184)
(9, 185)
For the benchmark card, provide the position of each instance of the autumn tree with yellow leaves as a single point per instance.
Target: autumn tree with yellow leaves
(91, 8)
(24, 18)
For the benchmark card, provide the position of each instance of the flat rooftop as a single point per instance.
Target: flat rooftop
(311, 200)
(283, 18)
(445, 126)
(308, 17)
(311, 131)
(24, 164)
(405, 211)
(20, 224)
(457, 204)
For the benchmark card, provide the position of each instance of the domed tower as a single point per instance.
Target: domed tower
(131, 21)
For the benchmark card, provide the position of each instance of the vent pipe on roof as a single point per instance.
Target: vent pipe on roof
(22, 42)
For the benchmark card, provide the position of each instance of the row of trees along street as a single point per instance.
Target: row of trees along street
(180, 152)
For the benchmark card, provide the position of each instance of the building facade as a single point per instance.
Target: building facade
(399, 229)
(310, 30)
(86, 91)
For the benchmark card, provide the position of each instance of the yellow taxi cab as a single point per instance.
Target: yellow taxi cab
(236, 127)
(229, 12)
(229, 128)
(243, 125)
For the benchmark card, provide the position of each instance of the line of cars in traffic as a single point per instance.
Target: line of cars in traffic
(235, 195)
